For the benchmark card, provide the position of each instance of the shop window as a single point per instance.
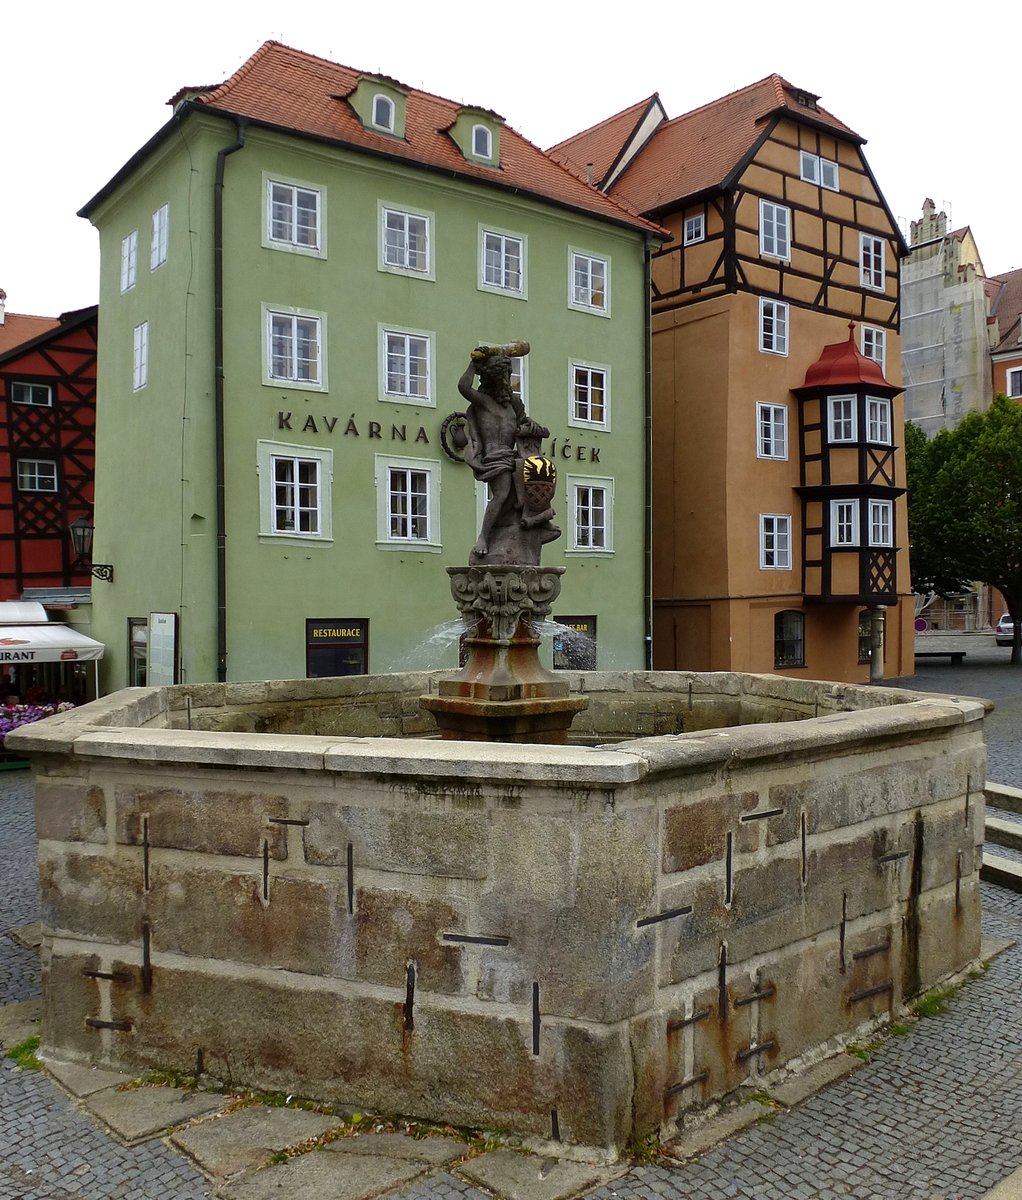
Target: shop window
(575, 649)
(789, 639)
(336, 646)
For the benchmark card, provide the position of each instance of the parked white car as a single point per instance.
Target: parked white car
(1003, 633)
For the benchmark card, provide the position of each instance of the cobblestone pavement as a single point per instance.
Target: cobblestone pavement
(936, 1115)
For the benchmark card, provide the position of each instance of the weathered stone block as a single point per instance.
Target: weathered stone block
(214, 821)
(70, 812)
(94, 895)
(696, 832)
(949, 931)
(390, 929)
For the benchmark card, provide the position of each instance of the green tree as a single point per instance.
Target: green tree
(965, 507)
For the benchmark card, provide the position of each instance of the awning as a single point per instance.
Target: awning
(46, 643)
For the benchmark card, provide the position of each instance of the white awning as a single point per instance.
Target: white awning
(46, 643)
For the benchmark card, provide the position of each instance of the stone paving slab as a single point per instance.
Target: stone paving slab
(822, 1074)
(19, 1021)
(144, 1112)
(692, 1142)
(431, 1150)
(1007, 1189)
(245, 1140)
(28, 937)
(321, 1176)
(515, 1176)
(83, 1081)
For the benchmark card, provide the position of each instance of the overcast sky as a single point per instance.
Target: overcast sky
(83, 86)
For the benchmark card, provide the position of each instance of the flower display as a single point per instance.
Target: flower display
(13, 715)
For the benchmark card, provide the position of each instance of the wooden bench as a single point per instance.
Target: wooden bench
(956, 656)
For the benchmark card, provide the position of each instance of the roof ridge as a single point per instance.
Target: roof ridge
(606, 121)
(720, 99)
(245, 68)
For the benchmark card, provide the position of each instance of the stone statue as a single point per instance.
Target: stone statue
(502, 445)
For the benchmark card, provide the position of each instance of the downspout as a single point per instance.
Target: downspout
(218, 399)
(647, 539)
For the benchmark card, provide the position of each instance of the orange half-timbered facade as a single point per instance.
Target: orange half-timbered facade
(777, 534)
(47, 453)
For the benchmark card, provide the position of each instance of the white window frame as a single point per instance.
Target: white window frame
(291, 243)
(582, 265)
(577, 486)
(694, 229)
(774, 230)
(829, 175)
(872, 261)
(842, 420)
(585, 372)
(504, 236)
(881, 523)
(384, 464)
(771, 431)
(878, 420)
(140, 356)
(294, 315)
(158, 243)
(267, 453)
(488, 137)
(32, 479)
(775, 541)
(129, 261)
(774, 340)
(423, 339)
(390, 108)
(844, 522)
(28, 396)
(394, 257)
(1014, 389)
(818, 170)
(873, 343)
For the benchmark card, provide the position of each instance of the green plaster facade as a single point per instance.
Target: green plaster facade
(156, 497)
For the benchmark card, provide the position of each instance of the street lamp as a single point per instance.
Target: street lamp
(82, 532)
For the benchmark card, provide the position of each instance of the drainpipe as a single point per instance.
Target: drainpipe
(876, 644)
(647, 537)
(218, 394)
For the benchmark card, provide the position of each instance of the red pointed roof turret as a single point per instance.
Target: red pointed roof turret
(842, 365)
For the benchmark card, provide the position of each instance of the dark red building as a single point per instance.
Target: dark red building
(47, 447)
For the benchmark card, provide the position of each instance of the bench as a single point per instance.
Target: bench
(956, 656)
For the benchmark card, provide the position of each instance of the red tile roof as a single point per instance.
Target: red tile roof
(696, 152)
(842, 365)
(601, 144)
(1007, 308)
(19, 328)
(306, 95)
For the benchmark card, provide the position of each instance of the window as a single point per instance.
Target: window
(158, 245)
(408, 503)
(294, 349)
(589, 284)
(502, 262)
(871, 260)
(774, 230)
(774, 542)
(39, 394)
(772, 431)
(874, 345)
(865, 636)
(789, 639)
(590, 503)
(138, 651)
(383, 112)
(844, 522)
(406, 356)
(881, 513)
(37, 475)
(336, 646)
(695, 228)
(818, 170)
(294, 219)
(294, 492)
(878, 420)
(140, 357)
(1015, 382)
(405, 242)
(773, 326)
(841, 411)
(129, 260)
(575, 648)
(590, 395)
(482, 142)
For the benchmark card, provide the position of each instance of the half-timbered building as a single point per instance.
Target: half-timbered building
(779, 525)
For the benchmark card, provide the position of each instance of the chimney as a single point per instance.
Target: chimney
(3, 297)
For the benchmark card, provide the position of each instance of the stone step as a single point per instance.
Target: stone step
(1005, 872)
(1000, 795)
(1004, 833)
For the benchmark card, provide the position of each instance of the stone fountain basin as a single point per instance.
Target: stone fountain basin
(304, 891)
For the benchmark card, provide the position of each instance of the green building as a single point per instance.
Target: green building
(294, 272)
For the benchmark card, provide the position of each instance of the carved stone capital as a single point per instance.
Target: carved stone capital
(502, 596)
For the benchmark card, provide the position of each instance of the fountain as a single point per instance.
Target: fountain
(296, 885)
(503, 693)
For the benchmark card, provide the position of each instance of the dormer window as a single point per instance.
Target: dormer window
(383, 112)
(482, 142)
